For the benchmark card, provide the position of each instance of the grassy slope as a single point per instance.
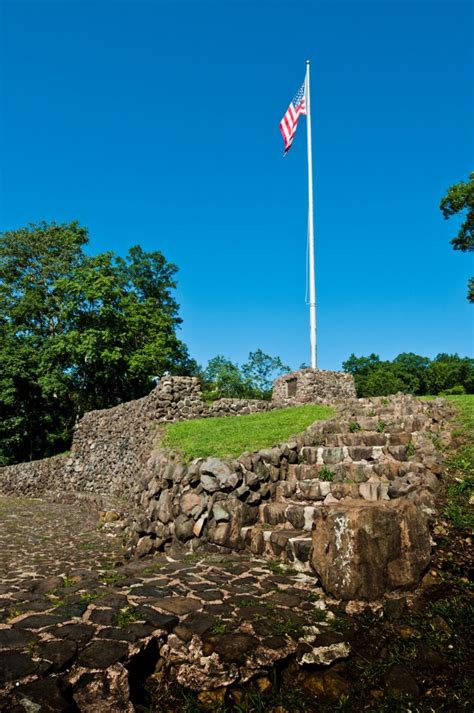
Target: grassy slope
(230, 436)
(458, 508)
(460, 461)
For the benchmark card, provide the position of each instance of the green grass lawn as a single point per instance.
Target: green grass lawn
(228, 437)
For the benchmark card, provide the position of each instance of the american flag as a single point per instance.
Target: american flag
(290, 121)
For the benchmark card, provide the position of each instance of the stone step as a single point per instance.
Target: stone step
(386, 467)
(289, 546)
(329, 456)
(322, 455)
(379, 424)
(299, 516)
(366, 438)
(309, 492)
(367, 411)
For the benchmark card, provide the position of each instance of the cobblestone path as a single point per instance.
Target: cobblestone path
(82, 631)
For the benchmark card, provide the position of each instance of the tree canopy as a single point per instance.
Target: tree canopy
(411, 373)
(460, 199)
(223, 378)
(77, 332)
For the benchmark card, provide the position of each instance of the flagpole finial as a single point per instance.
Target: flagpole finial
(307, 61)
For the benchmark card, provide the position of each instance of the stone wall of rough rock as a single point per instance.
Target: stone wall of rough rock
(32, 478)
(238, 407)
(111, 447)
(313, 386)
(214, 502)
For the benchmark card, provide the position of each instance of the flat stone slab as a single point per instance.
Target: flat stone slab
(76, 617)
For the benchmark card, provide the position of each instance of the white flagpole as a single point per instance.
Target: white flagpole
(312, 280)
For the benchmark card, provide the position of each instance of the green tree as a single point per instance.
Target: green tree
(77, 333)
(261, 370)
(410, 373)
(416, 366)
(222, 378)
(122, 320)
(360, 367)
(449, 370)
(460, 199)
(390, 378)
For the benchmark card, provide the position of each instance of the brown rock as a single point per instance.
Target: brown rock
(361, 551)
(401, 683)
(190, 500)
(105, 690)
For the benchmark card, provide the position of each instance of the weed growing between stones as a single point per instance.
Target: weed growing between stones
(244, 602)
(354, 426)
(318, 615)
(286, 627)
(32, 648)
(88, 597)
(220, 627)
(110, 577)
(55, 600)
(326, 474)
(278, 568)
(126, 616)
(12, 614)
(154, 568)
(381, 426)
(70, 581)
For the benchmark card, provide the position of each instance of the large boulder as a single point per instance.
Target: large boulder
(363, 550)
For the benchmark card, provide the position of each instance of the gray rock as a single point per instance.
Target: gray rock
(145, 545)
(183, 528)
(251, 479)
(209, 483)
(219, 514)
(165, 507)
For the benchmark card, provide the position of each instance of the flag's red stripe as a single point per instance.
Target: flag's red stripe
(289, 123)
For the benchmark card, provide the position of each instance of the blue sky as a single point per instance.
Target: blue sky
(157, 123)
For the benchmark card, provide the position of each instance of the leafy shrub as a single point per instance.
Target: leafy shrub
(454, 391)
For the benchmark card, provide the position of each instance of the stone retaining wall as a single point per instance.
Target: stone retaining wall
(313, 386)
(214, 502)
(111, 447)
(33, 478)
(238, 407)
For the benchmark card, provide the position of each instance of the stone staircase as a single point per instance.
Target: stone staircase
(367, 453)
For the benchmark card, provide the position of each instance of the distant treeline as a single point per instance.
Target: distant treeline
(411, 374)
